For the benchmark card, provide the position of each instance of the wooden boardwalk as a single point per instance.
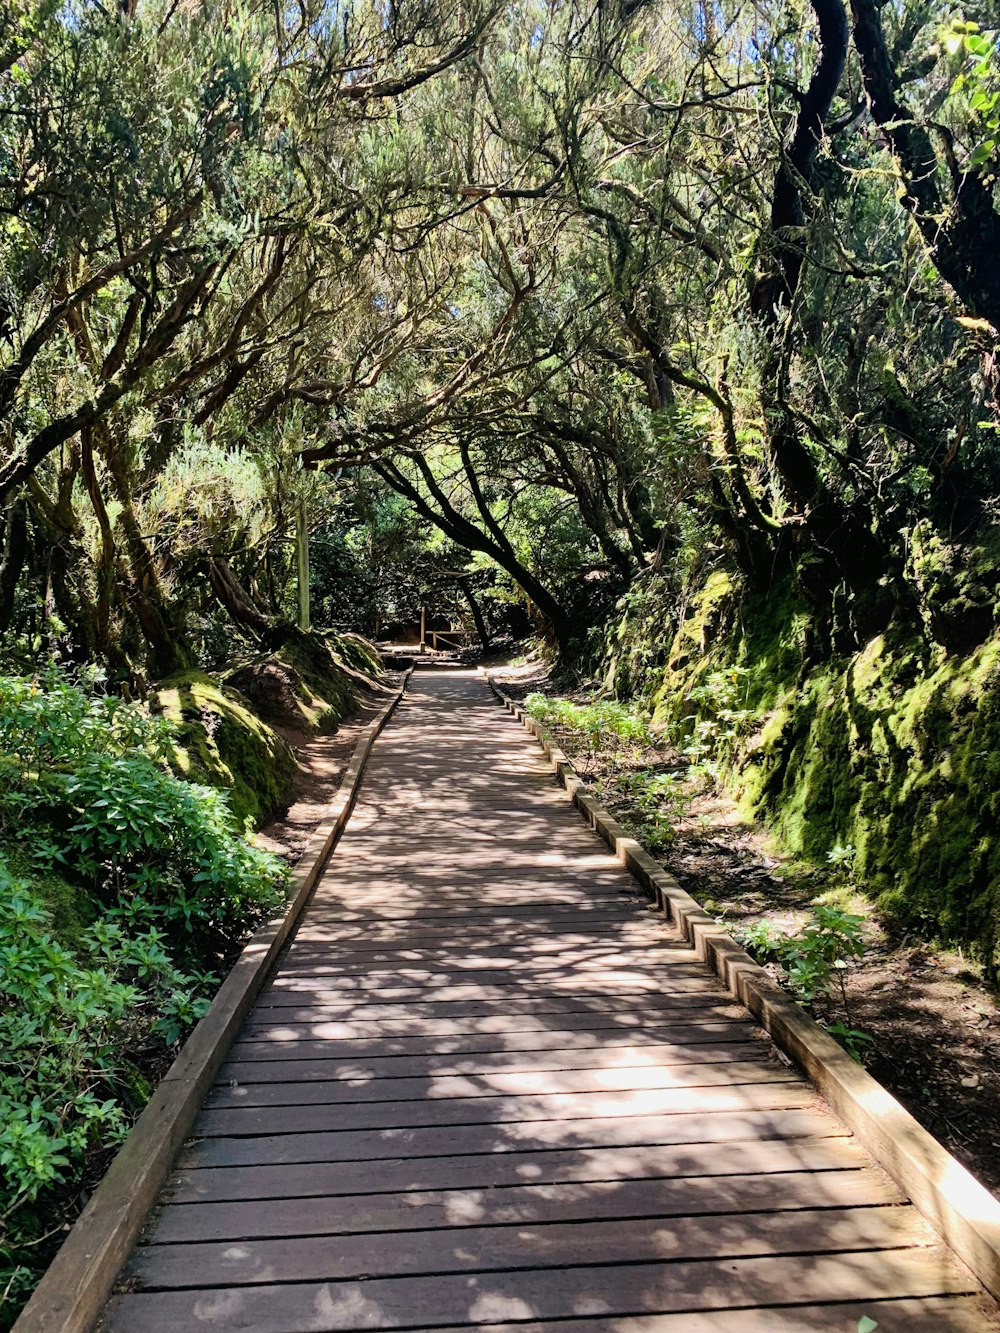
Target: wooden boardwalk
(485, 1089)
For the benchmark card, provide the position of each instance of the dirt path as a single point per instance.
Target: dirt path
(934, 1024)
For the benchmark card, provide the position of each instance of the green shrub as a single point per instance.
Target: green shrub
(87, 772)
(815, 963)
(154, 883)
(654, 801)
(607, 729)
(66, 1021)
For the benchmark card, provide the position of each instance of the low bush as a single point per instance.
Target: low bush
(606, 728)
(123, 895)
(87, 774)
(815, 962)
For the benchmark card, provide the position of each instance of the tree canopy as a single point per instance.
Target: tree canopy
(601, 293)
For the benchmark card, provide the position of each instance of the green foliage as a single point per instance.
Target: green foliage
(816, 958)
(813, 958)
(130, 890)
(843, 856)
(720, 720)
(66, 1019)
(815, 962)
(619, 741)
(978, 85)
(87, 773)
(651, 801)
(605, 727)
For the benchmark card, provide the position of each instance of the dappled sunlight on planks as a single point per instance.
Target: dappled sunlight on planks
(485, 1090)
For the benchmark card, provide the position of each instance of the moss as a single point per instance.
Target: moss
(355, 652)
(895, 748)
(222, 743)
(901, 756)
(324, 693)
(70, 908)
(634, 646)
(328, 669)
(959, 586)
(137, 1086)
(689, 658)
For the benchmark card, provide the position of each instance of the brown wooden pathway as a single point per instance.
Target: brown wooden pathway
(486, 1089)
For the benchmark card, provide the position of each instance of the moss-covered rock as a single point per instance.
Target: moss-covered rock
(355, 652)
(71, 910)
(327, 690)
(221, 742)
(310, 683)
(894, 748)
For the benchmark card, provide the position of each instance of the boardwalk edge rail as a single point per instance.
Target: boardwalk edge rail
(79, 1281)
(960, 1209)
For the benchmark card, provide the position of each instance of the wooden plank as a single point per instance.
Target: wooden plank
(80, 1278)
(376, 974)
(485, 838)
(510, 985)
(419, 940)
(448, 963)
(487, 1249)
(948, 1314)
(595, 885)
(438, 1301)
(496, 1032)
(286, 991)
(339, 1067)
(490, 887)
(499, 987)
(540, 907)
(356, 1214)
(420, 1113)
(235, 1093)
(492, 871)
(436, 1141)
(474, 1172)
(628, 930)
(475, 881)
(432, 906)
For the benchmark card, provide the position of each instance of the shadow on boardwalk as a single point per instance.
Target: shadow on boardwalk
(485, 1089)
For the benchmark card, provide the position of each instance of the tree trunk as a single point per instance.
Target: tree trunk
(302, 564)
(168, 649)
(477, 613)
(962, 231)
(782, 254)
(234, 599)
(15, 551)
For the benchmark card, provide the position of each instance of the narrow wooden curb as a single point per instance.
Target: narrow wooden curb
(960, 1209)
(77, 1284)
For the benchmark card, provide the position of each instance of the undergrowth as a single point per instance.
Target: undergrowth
(124, 892)
(815, 963)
